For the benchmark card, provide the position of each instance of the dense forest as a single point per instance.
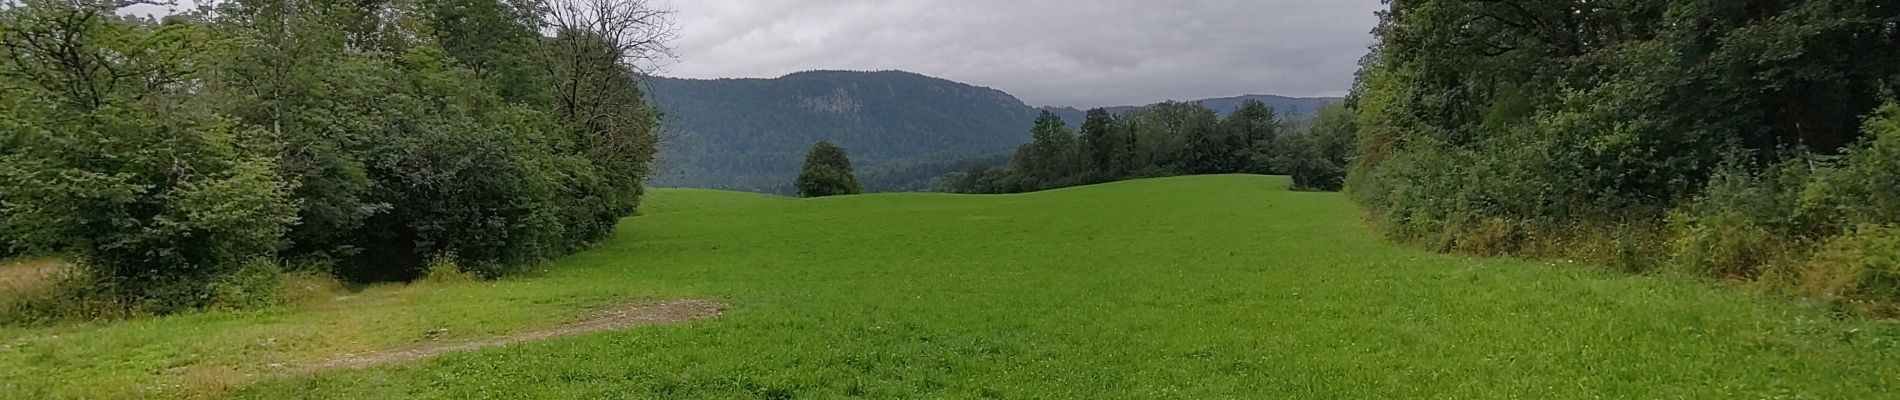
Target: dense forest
(187, 162)
(1288, 107)
(1740, 139)
(1167, 139)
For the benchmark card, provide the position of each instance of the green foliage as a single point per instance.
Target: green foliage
(64, 296)
(1819, 221)
(1255, 127)
(1051, 159)
(155, 197)
(169, 158)
(982, 179)
(1104, 145)
(1865, 189)
(924, 173)
(256, 283)
(1862, 265)
(1728, 118)
(1288, 108)
(1168, 139)
(827, 172)
(444, 270)
(1317, 157)
(751, 134)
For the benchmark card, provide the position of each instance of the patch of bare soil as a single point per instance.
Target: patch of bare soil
(631, 315)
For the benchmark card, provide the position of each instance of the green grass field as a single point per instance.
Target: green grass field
(1198, 287)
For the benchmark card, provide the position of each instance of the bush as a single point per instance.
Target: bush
(179, 205)
(1474, 133)
(1724, 245)
(168, 159)
(258, 283)
(1865, 188)
(1863, 265)
(444, 270)
(66, 295)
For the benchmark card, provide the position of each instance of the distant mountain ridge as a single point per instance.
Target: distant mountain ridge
(752, 134)
(1282, 105)
(901, 128)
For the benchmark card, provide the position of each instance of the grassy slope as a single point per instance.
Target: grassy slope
(1222, 286)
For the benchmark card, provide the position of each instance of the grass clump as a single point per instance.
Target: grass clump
(1861, 266)
(444, 270)
(45, 291)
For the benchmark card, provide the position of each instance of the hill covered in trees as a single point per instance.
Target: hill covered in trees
(902, 129)
(751, 134)
(1292, 107)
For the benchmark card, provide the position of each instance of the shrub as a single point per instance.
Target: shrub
(1153, 171)
(66, 295)
(257, 283)
(1865, 188)
(1862, 265)
(176, 208)
(1688, 113)
(1723, 245)
(445, 270)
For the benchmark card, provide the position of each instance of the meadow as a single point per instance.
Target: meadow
(1194, 287)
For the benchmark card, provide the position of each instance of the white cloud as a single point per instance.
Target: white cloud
(1050, 52)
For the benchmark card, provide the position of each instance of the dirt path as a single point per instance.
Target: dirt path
(637, 314)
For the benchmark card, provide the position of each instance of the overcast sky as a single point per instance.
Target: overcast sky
(1047, 52)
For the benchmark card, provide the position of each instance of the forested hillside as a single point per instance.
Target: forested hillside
(1288, 107)
(751, 134)
(902, 129)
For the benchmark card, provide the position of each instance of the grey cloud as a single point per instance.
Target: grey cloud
(1051, 52)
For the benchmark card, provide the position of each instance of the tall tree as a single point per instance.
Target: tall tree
(1252, 129)
(1317, 158)
(1105, 148)
(108, 157)
(1182, 137)
(1050, 158)
(827, 172)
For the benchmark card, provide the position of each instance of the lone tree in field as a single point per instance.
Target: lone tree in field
(827, 172)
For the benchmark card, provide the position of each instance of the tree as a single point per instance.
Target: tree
(362, 137)
(827, 172)
(1179, 137)
(1252, 129)
(1318, 157)
(1050, 158)
(1107, 151)
(108, 159)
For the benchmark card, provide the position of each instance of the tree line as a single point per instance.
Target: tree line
(1739, 139)
(1167, 139)
(186, 162)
